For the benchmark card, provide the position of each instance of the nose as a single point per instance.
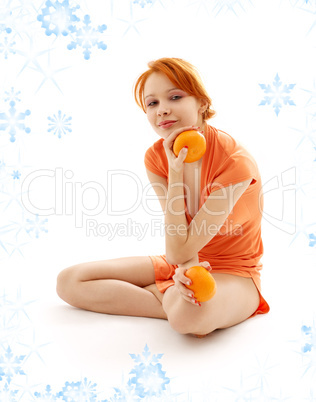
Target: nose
(163, 110)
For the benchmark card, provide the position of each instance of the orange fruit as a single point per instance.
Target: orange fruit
(203, 283)
(194, 141)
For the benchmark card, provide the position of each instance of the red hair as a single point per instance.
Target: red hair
(182, 74)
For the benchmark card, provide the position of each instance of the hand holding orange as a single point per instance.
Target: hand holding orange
(194, 141)
(203, 283)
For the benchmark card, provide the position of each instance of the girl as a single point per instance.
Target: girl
(212, 218)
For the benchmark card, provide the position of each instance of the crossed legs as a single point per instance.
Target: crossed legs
(116, 286)
(126, 286)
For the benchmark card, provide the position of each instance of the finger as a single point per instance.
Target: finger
(206, 265)
(180, 277)
(181, 281)
(182, 154)
(191, 300)
(187, 294)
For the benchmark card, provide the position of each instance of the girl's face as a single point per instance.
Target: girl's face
(168, 107)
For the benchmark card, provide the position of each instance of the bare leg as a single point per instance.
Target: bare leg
(125, 286)
(236, 300)
(121, 286)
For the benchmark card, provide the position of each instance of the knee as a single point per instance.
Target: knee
(180, 324)
(186, 319)
(190, 322)
(66, 284)
(183, 325)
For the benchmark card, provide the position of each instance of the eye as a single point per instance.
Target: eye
(153, 103)
(176, 97)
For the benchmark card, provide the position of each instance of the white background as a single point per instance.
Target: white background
(236, 46)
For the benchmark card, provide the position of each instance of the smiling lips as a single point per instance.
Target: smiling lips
(167, 123)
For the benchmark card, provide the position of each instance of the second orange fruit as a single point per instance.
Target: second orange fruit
(194, 141)
(203, 283)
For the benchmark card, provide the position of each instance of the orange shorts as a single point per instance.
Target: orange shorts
(165, 271)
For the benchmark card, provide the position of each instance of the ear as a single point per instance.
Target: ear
(203, 105)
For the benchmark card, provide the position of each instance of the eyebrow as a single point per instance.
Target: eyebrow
(169, 90)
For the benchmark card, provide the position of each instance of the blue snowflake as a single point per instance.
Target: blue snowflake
(12, 95)
(46, 395)
(87, 37)
(36, 225)
(277, 94)
(58, 18)
(308, 348)
(4, 28)
(14, 121)
(59, 124)
(16, 174)
(78, 391)
(301, 225)
(312, 95)
(7, 47)
(228, 5)
(262, 372)
(17, 307)
(243, 392)
(142, 3)
(4, 230)
(308, 132)
(10, 365)
(7, 394)
(148, 377)
(131, 22)
(305, 5)
(312, 240)
(124, 394)
(309, 334)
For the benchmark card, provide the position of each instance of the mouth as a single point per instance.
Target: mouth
(166, 123)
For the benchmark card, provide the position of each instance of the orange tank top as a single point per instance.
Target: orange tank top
(237, 247)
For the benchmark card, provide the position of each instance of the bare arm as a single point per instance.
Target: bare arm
(183, 241)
